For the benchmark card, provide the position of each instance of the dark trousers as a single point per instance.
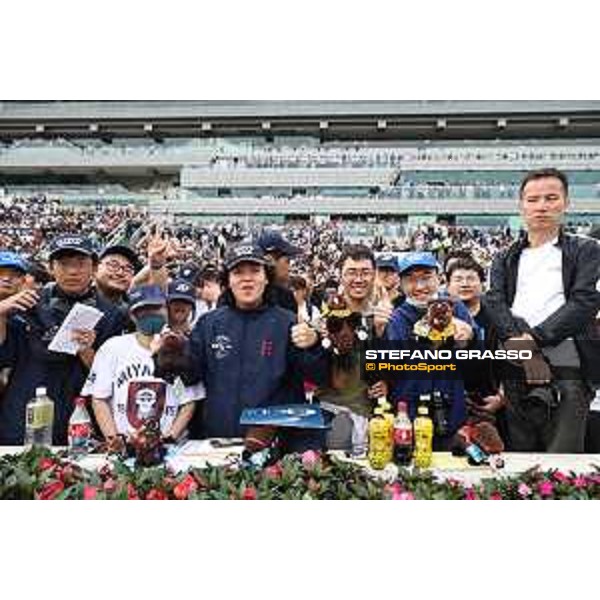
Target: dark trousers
(592, 435)
(536, 426)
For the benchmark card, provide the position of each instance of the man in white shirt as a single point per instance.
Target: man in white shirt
(544, 296)
(121, 382)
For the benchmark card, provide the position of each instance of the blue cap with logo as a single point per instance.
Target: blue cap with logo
(273, 241)
(146, 295)
(12, 260)
(247, 252)
(180, 289)
(417, 259)
(386, 261)
(72, 242)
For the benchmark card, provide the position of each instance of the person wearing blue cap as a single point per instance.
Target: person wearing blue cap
(124, 389)
(13, 269)
(181, 304)
(388, 277)
(421, 284)
(279, 251)
(29, 325)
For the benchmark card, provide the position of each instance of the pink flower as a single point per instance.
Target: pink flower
(524, 490)
(560, 477)
(90, 492)
(310, 459)
(249, 494)
(405, 496)
(470, 494)
(496, 496)
(580, 482)
(546, 488)
(110, 485)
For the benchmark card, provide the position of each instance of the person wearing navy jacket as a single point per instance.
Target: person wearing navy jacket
(250, 352)
(29, 321)
(421, 283)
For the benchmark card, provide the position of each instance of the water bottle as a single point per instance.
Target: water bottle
(39, 419)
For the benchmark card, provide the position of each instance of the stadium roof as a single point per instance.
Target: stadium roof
(430, 119)
(57, 109)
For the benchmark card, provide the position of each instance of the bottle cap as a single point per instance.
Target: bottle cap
(423, 410)
(40, 391)
(402, 406)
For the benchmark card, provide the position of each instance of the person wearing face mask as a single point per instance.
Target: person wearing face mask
(420, 283)
(122, 384)
(30, 319)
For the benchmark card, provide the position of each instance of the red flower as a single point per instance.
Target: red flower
(470, 494)
(560, 477)
(580, 482)
(181, 491)
(46, 463)
(155, 494)
(273, 472)
(249, 494)
(190, 482)
(131, 492)
(546, 488)
(496, 496)
(51, 490)
(90, 492)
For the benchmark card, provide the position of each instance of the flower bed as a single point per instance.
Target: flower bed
(40, 474)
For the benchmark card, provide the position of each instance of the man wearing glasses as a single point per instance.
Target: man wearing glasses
(420, 283)
(117, 266)
(348, 396)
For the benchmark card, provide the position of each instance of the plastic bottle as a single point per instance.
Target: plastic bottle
(39, 419)
(381, 447)
(80, 428)
(403, 436)
(423, 438)
(439, 414)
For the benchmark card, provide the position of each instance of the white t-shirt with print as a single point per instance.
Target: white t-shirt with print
(123, 372)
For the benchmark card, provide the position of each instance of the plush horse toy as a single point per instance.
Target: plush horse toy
(345, 330)
(436, 325)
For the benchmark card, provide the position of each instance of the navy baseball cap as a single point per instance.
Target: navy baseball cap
(122, 250)
(12, 260)
(245, 253)
(181, 289)
(72, 242)
(273, 241)
(146, 295)
(417, 259)
(387, 261)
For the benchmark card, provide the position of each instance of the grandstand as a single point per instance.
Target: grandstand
(405, 162)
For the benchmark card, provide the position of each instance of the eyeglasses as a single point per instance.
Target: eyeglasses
(114, 266)
(358, 274)
(468, 279)
(425, 280)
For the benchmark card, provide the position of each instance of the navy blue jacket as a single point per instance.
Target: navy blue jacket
(25, 350)
(246, 359)
(400, 328)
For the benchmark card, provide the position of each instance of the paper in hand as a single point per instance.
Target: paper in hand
(81, 316)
